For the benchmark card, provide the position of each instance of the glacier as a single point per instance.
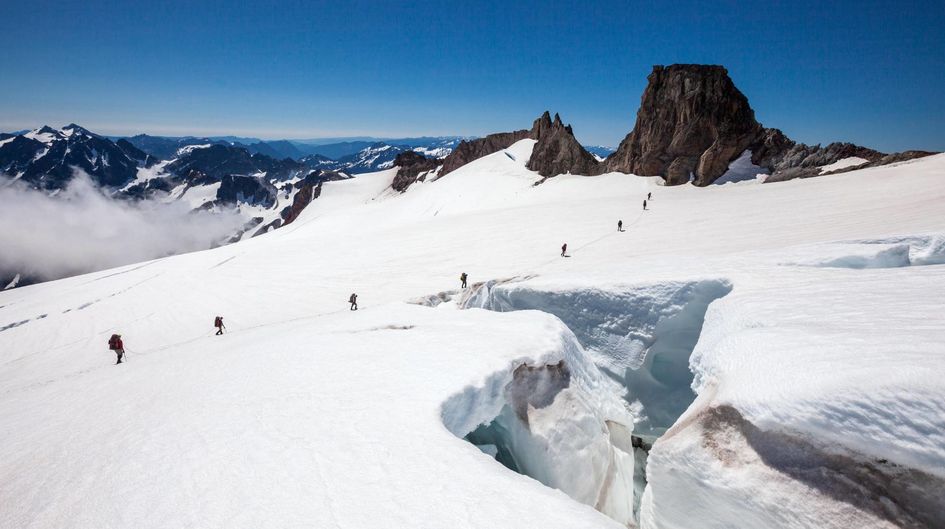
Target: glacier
(775, 349)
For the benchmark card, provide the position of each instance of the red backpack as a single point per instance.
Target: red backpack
(218, 321)
(113, 342)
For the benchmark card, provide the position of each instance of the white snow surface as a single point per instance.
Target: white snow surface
(306, 414)
(742, 169)
(434, 152)
(147, 173)
(13, 282)
(190, 148)
(852, 161)
(42, 137)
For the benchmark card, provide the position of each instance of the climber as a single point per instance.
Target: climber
(115, 344)
(564, 249)
(649, 196)
(218, 323)
(462, 278)
(644, 205)
(353, 300)
(619, 225)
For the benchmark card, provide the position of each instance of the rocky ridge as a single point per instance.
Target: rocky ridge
(558, 151)
(412, 167)
(692, 123)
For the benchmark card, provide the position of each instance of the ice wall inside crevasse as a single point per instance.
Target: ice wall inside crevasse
(641, 337)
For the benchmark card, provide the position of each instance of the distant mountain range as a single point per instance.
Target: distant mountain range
(165, 147)
(599, 151)
(259, 179)
(45, 158)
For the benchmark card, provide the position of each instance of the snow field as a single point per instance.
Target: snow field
(307, 414)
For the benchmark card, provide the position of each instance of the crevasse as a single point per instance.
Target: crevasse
(633, 343)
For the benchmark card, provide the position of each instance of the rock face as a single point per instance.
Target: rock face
(692, 123)
(796, 160)
(412, 167)
(468, 151)
(309, 188)
(557, 151)
(250, 190)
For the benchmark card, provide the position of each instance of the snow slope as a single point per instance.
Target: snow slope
(844, 163)
(308, 414)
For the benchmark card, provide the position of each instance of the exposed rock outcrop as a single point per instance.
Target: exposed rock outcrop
(412, 167)
(796, 160)
(468, 151)
(242, 189)
(897, 157)
(309, 188)
(692, 123)
(557, 150)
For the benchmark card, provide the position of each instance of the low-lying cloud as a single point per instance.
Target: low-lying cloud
(81, 230)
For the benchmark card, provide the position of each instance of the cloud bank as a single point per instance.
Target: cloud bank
(81, 230)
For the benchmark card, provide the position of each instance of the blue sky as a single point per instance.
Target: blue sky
(868, 72)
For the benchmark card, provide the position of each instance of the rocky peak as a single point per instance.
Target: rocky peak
(75, 129)
(468, 151)
(309, 188)
(557, 151)
(412, 167)
(692, 123)
(542, 125)
(245, 189)
(554, 132)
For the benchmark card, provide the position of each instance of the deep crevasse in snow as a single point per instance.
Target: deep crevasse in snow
(641, 336)
(557, 420)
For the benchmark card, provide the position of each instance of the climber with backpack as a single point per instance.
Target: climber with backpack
(115, 344)
(462, 279)
(353, 300)
(218, 323)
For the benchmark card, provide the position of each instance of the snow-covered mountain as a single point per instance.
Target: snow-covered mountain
(380, 155)
(165, 148)
(438, 146)
(47, 158)
(210, 177)
(742, 355)
(351, 156)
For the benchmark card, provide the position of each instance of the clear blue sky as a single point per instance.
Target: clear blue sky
(868, 72)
